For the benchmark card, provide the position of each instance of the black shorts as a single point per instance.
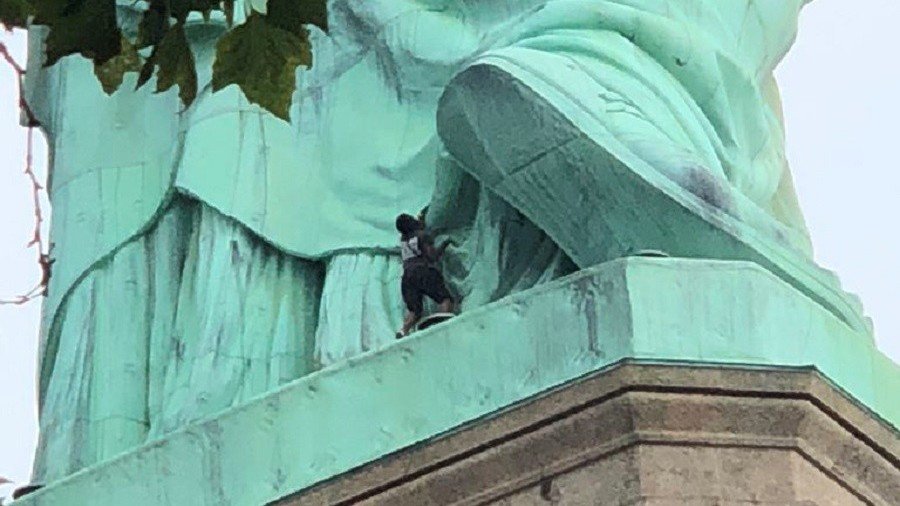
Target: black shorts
(421, 280)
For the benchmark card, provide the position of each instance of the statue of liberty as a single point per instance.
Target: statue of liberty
(206, 256)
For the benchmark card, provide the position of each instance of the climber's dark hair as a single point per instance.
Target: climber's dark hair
(407, 225)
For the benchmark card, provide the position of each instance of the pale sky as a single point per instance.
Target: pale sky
(841, 91)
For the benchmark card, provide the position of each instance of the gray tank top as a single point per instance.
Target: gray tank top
(410, 250)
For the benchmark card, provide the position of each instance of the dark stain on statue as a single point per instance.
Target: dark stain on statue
(280, 479)
(707, 187)
(549, 491)
(235, 253)
(210, 435)
(179, 349)
(586, 300)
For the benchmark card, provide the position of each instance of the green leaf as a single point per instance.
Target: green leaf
(14, 13)
(261, 56)
(112, 73)
(181, 8)
(291, 15)
(228, 8)
(154, 25)
(176, 65)
(87, 27)
(175, 61)
(262, 59)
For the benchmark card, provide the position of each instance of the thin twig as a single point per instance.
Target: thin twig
(36, 241)
(20, 74)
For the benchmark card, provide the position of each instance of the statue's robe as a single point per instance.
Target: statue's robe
(209, 255)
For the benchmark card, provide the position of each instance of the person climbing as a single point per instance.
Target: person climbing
(420, 273)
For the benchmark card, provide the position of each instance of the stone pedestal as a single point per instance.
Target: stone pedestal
(640, 381)
(649, 435)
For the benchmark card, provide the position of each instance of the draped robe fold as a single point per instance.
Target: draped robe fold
(209, 255)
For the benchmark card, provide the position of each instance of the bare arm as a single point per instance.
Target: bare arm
(431, 252)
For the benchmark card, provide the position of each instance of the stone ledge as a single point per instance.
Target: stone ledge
(341, 418)
(658, 416)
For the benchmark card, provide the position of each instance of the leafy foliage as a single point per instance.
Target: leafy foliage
(86, 27)
(260, 56)
(173, 57)
(112, 72)
(292, 15)
(14, 14)
(153, 25)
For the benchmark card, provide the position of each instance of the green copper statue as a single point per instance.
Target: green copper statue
(208, 255)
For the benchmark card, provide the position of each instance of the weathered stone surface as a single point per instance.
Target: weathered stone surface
(723, 314)
(650, 435)
(598, 127)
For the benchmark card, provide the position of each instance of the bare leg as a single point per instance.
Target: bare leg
(408, 323)
(446, 306)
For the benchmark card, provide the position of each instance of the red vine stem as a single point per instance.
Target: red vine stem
(37, 240)
(20, 74)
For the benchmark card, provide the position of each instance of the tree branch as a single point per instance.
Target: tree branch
(20, 74)
(36, 241)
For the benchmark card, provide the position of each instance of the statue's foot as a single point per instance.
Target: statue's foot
(530, 134)
(433, 319)
(26, 490)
